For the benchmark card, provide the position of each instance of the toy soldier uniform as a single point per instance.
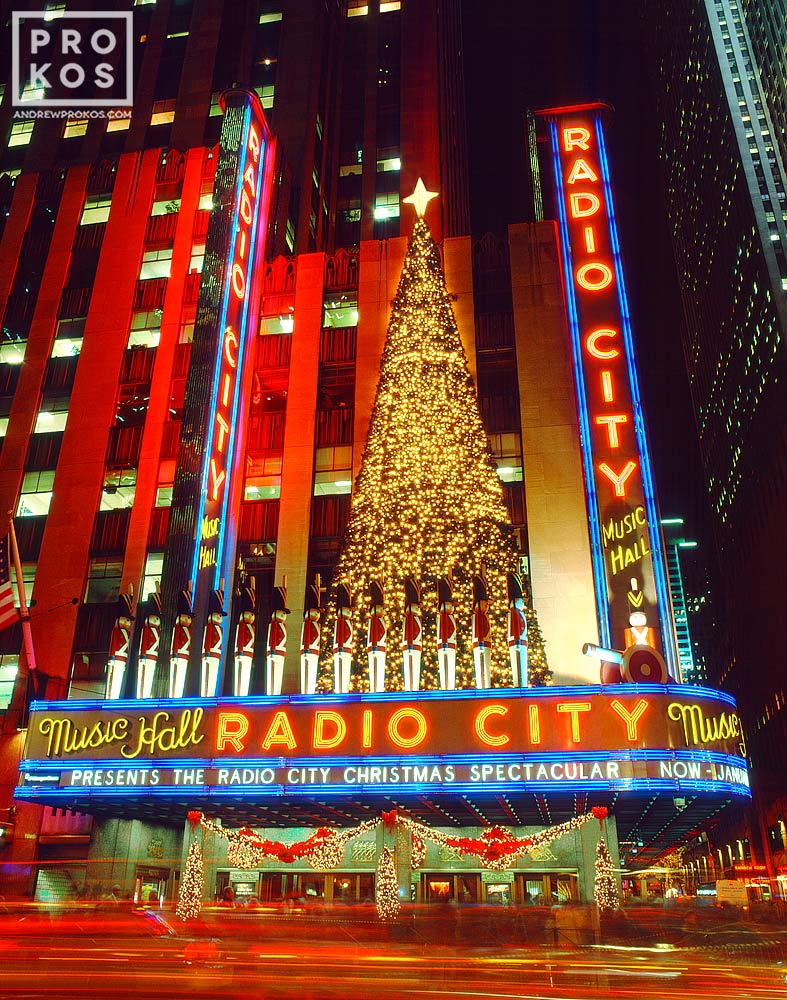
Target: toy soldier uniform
(412, 635)
(446, 633)
(342, 640)
(245, 636)
(376, 635)
(310, 637)
(212, 645)
(149, 646)
(517, 630)
(120, 646)
(481, 647)
(181, 646)
(276, 648)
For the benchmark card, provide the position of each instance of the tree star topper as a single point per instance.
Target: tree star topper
(420, 198)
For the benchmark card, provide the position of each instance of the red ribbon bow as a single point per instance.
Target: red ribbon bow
(195, 818)
(600, 812)
(389, 818)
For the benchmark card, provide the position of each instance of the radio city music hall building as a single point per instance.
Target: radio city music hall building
(196, 313)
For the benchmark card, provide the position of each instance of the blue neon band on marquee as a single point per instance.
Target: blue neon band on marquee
(659, 562)
(559, 691)
(599, 571)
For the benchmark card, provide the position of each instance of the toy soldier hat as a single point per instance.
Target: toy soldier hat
(376, 593)
(480, 589)
(344, 598)
(184, 602)
(412, 590)
(152, 605)
(279, 600)
(247, 598)
(445, 589)
(313, 597)
(125, 605)
(515, 587)
(216, 603)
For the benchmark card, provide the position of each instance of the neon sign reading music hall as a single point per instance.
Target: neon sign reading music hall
(622, 514)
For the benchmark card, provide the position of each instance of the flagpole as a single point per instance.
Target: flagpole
(27, 633)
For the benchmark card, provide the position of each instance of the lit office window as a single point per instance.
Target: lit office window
(96, 209)
(118, 124)
(21, 133)
(154, 565)
(103, 581)
(68, 337)
(119, 488)
(36, 493)
(163, 112)
(156, 263)
(9, 667)
(13, 353)
(145, 328)
(52, 415)
(386, 206)
(74, 127)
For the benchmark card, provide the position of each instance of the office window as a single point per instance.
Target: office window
(386, 206)
(170, 207)
(119, 488)
(36, 493)
(21, 133)
(96, 209)
(13, 352)
(156, 263)
(74, 127)
(145, 328)
(52, 414)
(197, 258)
(103, 581)
(163, 112)
(154, 565)
(341, 310)
(263, 478)
(270, 18)
(9, 667)
(118, 124)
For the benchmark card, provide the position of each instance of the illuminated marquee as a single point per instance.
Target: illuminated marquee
(582, 736)
(623, 522)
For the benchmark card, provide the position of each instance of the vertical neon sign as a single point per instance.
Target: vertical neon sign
(625, 542)
(201, 539)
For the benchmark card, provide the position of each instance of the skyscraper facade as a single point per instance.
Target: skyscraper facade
(720, 70)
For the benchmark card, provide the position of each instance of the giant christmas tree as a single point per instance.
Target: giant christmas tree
(427, 501)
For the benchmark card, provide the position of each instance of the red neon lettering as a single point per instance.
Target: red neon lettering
(323, 742)
(217, 477)
(618, 480)
(580, 211)
(232, 727)
(606, 385)
(406, 742)
(224, 428)
(225, 389)
(230, 339)
(590, 240)
(594, 285)
(245, 207)
(581, 171)
(254, 143)
(480, 726)
(535, 723)
(242, 247)
(574, 708)
(576, 137)
(630, 718)
(238, 281)
(280, 731)
(612, 421)
(597, 352)
(250, 178)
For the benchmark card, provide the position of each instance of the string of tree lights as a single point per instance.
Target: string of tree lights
(427, 502)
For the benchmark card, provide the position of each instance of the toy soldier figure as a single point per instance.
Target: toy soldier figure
(119, 645)
(310, 637)
(245, 636)
(481, 648)
(411, 634)
(376, 634)
(517, 630)
(276, 648)
(149, 645)
(446, 633)
(639, 633)
(181, 646)
(342, 640)
(212, 645)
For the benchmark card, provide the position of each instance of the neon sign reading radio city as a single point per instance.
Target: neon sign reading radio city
(235, 310)
(622, 509)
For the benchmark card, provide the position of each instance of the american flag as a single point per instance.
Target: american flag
(8, 612)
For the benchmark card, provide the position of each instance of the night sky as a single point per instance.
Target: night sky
(530, 55)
